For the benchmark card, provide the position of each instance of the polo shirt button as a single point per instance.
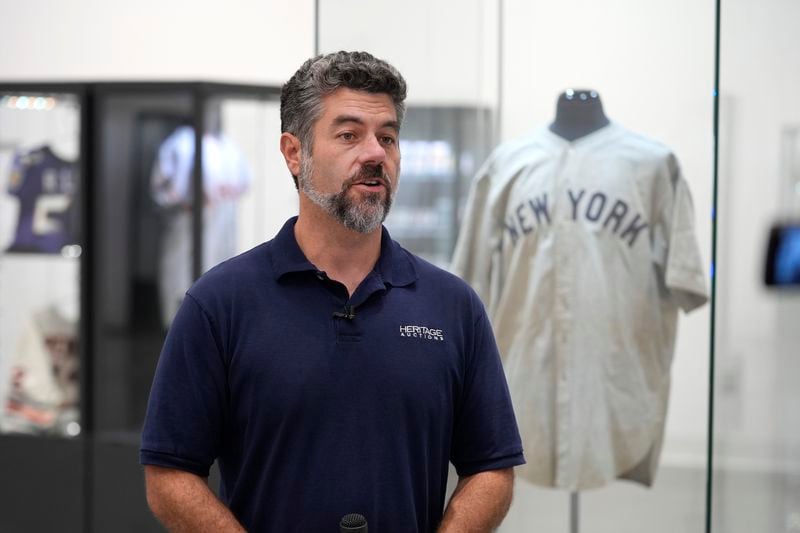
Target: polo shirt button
(321, 275)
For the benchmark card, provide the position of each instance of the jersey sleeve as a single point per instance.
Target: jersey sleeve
(485, 436)
(243, 174)
(472, 257)
(678, 252)
(186, 411)
(170, 178)
(15, 176)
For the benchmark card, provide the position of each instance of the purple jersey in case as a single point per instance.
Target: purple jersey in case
(44, 185)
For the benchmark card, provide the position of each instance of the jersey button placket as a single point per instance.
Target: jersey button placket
(563, 265)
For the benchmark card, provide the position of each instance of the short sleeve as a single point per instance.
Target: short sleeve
(15, 176)
(172, 171)
(472, 257)
(185, 413)
(684, 272)
(485, 436)
(243, 175)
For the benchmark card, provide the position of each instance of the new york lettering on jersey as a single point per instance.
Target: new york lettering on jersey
(599, 207)
(44, 184)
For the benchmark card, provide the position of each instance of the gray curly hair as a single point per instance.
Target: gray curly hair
(301, 96)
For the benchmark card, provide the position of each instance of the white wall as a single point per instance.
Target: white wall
(445, 49)
(238, 40)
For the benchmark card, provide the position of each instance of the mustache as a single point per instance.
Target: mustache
(368, 172)
(371, 171)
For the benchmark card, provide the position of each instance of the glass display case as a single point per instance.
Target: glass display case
(42, 284)
(661, 90)
(170, 179)
(507, 64)
(756, 450)
(40, 250)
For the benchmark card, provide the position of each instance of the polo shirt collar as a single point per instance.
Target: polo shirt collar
(394, 264)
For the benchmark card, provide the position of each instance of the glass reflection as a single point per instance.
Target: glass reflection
(757, 403)
(146, 198)
(226, 177)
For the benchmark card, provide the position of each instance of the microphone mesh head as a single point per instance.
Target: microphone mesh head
(353, 520)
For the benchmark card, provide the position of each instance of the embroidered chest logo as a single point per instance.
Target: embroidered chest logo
(422, 332)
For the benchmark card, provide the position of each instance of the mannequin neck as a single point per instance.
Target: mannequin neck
(579, 112)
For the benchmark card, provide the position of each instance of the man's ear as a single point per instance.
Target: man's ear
(290, 148)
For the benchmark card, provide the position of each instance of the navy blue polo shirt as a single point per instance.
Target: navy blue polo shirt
(316, 404)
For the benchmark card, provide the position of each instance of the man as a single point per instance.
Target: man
(329, 371)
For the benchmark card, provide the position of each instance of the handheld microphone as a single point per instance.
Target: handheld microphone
(353, 523)
(348, 313)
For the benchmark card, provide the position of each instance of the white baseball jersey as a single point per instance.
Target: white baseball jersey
(44, 390)
(225, 178)
(583, 252)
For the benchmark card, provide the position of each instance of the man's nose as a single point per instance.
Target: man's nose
(374, 152)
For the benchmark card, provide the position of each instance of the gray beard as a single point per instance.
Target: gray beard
(363, 216)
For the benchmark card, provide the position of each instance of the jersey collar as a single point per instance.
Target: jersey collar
(605, 134)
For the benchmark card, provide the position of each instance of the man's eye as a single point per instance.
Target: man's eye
(347, 136)
(387, 139)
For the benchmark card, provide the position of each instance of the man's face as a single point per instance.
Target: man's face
(353, 168)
